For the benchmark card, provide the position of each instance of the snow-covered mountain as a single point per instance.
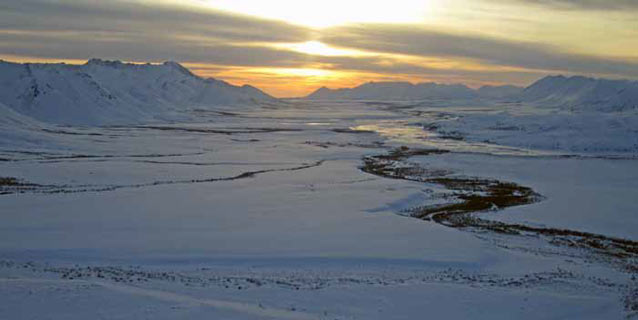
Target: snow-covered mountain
(112, 92)
(395, 91)
(581, 93)
(576, 93)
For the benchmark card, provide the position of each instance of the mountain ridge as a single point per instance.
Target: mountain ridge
(575, 92)
(583, 93)
(394, 91)
(113, 92)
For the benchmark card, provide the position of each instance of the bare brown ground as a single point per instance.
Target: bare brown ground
(472, 195)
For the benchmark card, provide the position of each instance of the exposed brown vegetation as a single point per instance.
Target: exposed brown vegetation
(9, 181)
(472, 195)
(221, 131)
(14, 185)
(348, 130)
(10, 185)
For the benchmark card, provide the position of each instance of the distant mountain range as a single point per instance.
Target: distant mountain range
(104, 92)
(112, 92)
(396, 91)
(576, 92)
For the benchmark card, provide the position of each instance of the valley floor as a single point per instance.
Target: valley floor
(270, 213)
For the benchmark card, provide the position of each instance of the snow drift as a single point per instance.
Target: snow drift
(111, 92)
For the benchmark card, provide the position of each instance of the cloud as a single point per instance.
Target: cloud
(390, 67)
(419, 41)
(124, 17)
(141, 47)
(581, 4)
(140, 32)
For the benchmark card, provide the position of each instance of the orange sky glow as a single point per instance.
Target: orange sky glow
(291, 48)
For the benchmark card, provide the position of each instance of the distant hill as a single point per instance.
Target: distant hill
(396, 91)
(110, 92)
(577, 92)
(582, 93)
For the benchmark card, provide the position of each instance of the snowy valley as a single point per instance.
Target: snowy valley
(134, 191)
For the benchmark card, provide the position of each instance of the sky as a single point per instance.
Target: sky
(291, 48)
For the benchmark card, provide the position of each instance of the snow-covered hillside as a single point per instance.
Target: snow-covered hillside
(593, 133)
(385, 91)
(19, 131)
(112, 92)
(581, 93)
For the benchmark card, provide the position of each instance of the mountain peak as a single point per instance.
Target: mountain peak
(106, 63)
(555, 76)
(110, 92)
(178, 67)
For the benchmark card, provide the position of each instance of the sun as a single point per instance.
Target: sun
(327, 13)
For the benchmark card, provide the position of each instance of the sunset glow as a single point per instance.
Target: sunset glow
(321, 49)
(293, 47)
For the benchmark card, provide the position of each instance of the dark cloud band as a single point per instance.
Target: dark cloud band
(581, 4)
(411, 40)
(128, 17)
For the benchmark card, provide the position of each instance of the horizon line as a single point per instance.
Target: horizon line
(81, 62)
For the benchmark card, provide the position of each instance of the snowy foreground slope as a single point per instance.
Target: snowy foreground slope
(320, 210)
(111, 92)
